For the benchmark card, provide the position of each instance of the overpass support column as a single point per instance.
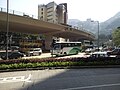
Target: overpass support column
(48, 42)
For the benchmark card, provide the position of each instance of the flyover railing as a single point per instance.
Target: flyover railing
(18, 13)
(82, 29)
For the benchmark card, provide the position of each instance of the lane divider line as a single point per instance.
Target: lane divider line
(89, 87)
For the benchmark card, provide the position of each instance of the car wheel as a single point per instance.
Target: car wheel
(65, 53)
(77, 52)
(39, 53)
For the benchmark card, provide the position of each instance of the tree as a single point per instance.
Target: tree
(116, 36)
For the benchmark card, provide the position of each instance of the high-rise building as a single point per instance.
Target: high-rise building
(62, 13)
(53, 13)
(42, 10)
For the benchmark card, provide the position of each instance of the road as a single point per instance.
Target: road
(47, 55)
(62, 79)
(43, 55)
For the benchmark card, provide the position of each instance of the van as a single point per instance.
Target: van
(34, 52)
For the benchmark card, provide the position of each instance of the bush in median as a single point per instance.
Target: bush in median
(53, 62)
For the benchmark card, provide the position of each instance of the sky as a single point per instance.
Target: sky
(97, 10)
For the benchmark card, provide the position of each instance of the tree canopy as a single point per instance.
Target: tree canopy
(116, 36)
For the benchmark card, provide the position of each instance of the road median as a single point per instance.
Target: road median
(53, 63)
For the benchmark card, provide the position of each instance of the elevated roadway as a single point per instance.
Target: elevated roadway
(24, 24)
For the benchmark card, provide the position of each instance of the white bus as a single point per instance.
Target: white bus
(66, 48)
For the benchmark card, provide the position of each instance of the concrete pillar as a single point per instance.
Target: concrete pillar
(48, 42)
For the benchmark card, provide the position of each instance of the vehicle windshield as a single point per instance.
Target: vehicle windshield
(57, 46)
(37, 50)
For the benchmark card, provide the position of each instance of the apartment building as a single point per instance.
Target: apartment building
(53, 13)
(42, 10)
(62, 13)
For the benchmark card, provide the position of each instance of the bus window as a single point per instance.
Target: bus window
(57, 46)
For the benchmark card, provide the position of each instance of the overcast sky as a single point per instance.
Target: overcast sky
(99, 10)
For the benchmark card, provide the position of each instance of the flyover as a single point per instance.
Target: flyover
(26, 24)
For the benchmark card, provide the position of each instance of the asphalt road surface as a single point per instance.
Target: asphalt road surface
(47, 55)
(62, 79)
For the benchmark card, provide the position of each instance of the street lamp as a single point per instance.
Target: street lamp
(7, 23)
(98, 27)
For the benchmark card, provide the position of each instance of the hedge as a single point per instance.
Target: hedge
(59, 63)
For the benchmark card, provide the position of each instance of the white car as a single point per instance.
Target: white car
(88, 50)
(99, 54)
(35, 52)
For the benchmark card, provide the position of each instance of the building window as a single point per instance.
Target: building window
(49, 7)
(49, 15)
(41, 12)
(41, 9)
(49, 11)
(50, 19)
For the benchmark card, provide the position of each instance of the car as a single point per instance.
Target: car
(13, 55)
(89, 50)
(114, 52)
(34, 52)
(14, 48)
(99, 54)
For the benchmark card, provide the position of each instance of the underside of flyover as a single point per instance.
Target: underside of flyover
(33, 26)
(24, 28)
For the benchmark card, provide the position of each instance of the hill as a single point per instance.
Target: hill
(105, 27)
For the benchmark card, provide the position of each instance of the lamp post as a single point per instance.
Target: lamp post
(7, 25)
(98, 33)
(98, 27)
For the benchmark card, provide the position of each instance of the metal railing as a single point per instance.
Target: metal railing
(18, 13)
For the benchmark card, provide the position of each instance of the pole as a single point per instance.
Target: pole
(7, 29)
(98, 35)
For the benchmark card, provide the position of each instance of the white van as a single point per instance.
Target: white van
(34, 52)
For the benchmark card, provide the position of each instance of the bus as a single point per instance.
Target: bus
(66, 48)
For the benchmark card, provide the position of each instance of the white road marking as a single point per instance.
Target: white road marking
(96, 86)
(15, 79)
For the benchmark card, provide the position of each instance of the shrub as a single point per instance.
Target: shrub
(53, 62)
